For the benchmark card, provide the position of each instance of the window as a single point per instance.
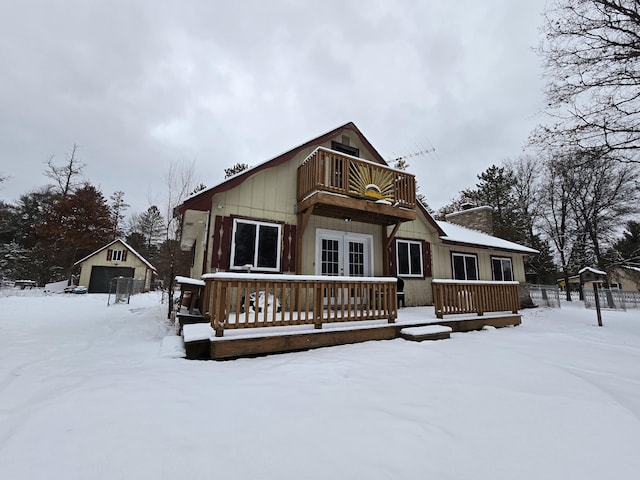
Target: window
(116, 255)
(345, 148)
(409, 258)
(256, 244)
(465, 266)
(502, 269)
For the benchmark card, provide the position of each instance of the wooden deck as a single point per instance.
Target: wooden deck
(201, 342)
(258, 314)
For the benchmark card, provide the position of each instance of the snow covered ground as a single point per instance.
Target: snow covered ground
(86, 393)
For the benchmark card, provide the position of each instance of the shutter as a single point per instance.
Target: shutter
(390, 268)
(426, 259)
(109, 254)
(221, 253)
(215, 243)
(289, 248)
(124, 255)
(227, 230)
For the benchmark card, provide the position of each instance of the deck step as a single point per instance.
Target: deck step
(428, 332)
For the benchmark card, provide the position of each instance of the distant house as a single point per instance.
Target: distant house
(625, 277)
(332, 206)
(116, 259)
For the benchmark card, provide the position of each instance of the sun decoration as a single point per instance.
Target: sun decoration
(370, 182)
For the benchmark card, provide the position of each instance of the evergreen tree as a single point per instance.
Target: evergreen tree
(78, 224)
(495, 189)
(151, 225)
(118, 207)
(237, 168)
(627, 248)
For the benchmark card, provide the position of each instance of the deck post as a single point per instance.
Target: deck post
(219, 309)
(317, 306)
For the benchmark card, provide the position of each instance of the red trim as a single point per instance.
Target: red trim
(124, 255)
(109, 255)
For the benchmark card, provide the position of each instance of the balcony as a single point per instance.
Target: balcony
(333, 184)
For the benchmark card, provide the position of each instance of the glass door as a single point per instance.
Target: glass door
(343, 254)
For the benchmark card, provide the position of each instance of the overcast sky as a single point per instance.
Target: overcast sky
(138, 85)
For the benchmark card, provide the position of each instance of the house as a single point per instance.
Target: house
(116, 259)
(625, 277)
(333, 206)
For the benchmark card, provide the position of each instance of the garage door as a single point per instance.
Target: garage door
(101, 276)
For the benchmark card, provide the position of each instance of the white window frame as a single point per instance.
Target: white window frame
(465, 256)
(116, 255)
(502, 259)
(343, 238)
(419, 274)
(254, 265)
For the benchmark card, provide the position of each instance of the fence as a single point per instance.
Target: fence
(545, 295)
(253, 300)
(456, 297)
(123, 287)
(611, 299)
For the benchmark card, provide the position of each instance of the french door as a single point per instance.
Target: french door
(343, 254)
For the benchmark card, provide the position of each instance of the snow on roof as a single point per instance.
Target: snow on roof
(592, 270)
(459, 234)
(126, 245)
(630, 267)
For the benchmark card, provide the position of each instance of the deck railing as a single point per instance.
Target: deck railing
(330, 171)
(237, 300)
(456, 297)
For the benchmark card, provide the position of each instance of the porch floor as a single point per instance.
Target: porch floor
(201, 343)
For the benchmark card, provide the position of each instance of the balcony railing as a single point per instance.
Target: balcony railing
(331, 171)
(237, 300)
(456, 297)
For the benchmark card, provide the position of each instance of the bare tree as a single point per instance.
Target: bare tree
(558, 220)
(592, 63)
(178, 183)
(66, 176)
(604, 196)
(526, 172)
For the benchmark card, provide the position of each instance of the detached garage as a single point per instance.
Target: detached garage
(116, 259)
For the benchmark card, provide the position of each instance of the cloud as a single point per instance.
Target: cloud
(138, 85)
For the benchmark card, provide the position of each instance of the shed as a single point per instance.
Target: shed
(116, 259)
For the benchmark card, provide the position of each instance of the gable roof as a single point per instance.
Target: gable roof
(457, 234)
(202, 200)
(126, 245)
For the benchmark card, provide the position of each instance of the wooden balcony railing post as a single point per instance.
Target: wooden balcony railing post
(317, 305)
(218, 301)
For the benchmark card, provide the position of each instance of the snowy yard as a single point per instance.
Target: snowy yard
(86, 393)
